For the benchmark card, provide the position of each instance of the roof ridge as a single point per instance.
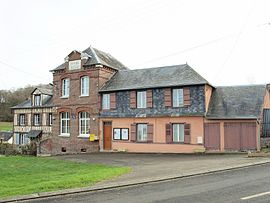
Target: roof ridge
(170, 66)
(94, 54)
(245, 85)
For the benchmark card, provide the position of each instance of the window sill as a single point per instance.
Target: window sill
(64, 135)
(64, 97)
(83, 136)
(84, 96)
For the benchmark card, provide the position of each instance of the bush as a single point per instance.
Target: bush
(7, 149)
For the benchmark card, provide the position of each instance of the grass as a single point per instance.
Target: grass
(5, 126)
(26, 175)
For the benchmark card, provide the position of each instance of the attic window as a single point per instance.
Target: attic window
(37, 100)
(74, 65)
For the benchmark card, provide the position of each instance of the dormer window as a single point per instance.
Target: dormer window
(74, 65)
(37, 100)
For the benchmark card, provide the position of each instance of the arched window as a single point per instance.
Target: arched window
(65, 87)
(85, 86)
(84, 125)
(65, 123)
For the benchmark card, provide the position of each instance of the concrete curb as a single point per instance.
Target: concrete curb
(134, 183)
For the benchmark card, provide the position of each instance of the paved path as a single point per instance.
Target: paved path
(149, 167)
(250, 184)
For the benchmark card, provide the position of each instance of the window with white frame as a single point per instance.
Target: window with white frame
(141, 99)
(84, 125)
(21, 139)
(106, 101)
(65, 123)
(37, 100)
(178, 97)
(21, 119)
(37, 119)
(85, 86)
(65, 87)
(178, 132)
(141, 132)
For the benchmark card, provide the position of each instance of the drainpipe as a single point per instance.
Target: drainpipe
(259, 135)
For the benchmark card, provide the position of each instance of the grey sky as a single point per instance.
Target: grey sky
(227, 42)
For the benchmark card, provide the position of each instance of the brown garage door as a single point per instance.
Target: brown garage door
(212, 136)
(240, 136)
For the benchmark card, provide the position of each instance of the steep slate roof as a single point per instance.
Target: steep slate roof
(98, 57)
(45, 89)
(27, 104)
(236, 102)
(168, 76)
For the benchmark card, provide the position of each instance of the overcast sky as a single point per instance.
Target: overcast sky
(227, 42)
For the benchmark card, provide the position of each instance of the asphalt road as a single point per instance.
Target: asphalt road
(242, 185)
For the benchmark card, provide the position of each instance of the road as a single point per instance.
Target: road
(250, 184)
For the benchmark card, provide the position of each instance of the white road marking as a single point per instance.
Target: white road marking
(256, 195)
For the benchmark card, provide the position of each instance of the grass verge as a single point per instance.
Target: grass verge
(5, 126)
(26, 175)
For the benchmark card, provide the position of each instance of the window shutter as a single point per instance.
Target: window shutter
(133, 132)
(169, 137)
(149, 95)
(113, 100)
(47, 119)
(186, 96)
(150, 131)
(168, 97)
(99, 102)
(18, 119)
(187, 138)
(41, 115)
(133, 99)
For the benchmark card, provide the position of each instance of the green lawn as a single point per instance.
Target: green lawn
(5, 126)
(25, 175)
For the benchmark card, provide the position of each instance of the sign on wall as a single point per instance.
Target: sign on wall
(74, 65)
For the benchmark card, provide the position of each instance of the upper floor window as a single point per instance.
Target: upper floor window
(85, 86)
(141, 99)
(37, 119)
(65, 87)
(142, 132)
(178, 98)
(84, 123)
(50, 119)
(178, 132)
(106, 101)
(37, 100)
(65, 123)
(21, 119)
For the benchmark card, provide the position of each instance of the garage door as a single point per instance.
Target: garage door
(212, 136)
(240, 136)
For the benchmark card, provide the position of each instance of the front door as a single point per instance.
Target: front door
(107, 135)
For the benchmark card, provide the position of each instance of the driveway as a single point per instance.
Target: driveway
(151, 167)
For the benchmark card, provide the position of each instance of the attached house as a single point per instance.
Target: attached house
(76, 85)
(33, 118)
(154, 110)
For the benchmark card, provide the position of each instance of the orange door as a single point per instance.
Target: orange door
(107, 133)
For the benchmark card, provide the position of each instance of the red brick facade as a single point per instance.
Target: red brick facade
(75, 104)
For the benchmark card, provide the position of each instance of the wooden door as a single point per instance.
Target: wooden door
(212, 136)
(107, 135)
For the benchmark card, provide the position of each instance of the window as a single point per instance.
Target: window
(50, 119)
(37, 100)
(37, 119)
(141, 132)
(22, 119)
(85, 86)
(141, 99)
(65, 87)
(106, 101)
(84, 124)
(178, 133)
(178, 99)
(65, 123)
(120, 134)
(21, 139)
